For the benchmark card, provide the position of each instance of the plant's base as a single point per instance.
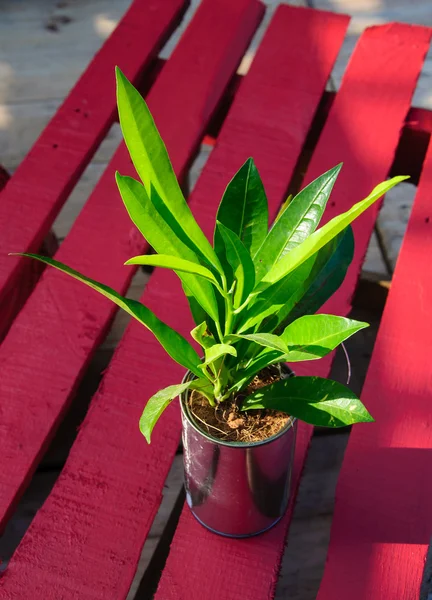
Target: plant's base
(228, 423)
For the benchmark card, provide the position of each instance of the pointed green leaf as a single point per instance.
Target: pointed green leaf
(304, 290)
(173, 262)
(157, 404)
(327, 275)
(315, 336)
(151, 160)
(174, 344)
(277, 298)
(203, 335)
(315, 400)
(243, 210)
(216, 351)
(314, 281)
(283, 207)
(319, 238)
(296, 223)
(162, 238)
(241, 263)
(268, 340)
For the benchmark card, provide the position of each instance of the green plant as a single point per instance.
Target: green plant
(253, 294)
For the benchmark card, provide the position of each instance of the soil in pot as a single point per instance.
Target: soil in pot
(226, 422)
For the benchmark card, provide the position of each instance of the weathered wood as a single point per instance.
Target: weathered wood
(362, 130)
(80, 316)
(218, 35)
(156, 545)
(102, 495)
(11, 305)
(45, 47)
(129, 491)
(383, 523)
(47, 175)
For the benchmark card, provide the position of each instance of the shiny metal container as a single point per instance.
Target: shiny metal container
(237, 489)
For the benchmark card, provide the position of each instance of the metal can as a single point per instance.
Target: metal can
(237, 489)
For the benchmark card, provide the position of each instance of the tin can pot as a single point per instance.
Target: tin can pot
(237, 489)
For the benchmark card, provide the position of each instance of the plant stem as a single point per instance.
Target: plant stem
(228, 315)
(245, 303)
(219, 331)
(211, 401)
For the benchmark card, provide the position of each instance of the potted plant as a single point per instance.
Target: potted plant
(253, 295)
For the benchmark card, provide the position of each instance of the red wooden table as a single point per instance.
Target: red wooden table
(86, 540)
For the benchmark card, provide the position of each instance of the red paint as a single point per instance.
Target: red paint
(383, 521)
(45, 178)
(15, 300)
(52, 340)
(110, 489)
(364, 126)
(366, 116)
(87, 537)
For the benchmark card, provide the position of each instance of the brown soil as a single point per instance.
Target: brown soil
(226, 422)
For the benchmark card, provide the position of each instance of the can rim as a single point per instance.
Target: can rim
(241, 445)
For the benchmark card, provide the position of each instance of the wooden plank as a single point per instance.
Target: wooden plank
(46, 351)
(47, 175)
(383, 522)
(122, 481)
(11, 305)
(45, 48)
(362, 129)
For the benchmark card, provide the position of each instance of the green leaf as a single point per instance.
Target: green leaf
(151, 160)
(277, 298)
(315, 336)
(315, 400)
(157, 404)
(296, 223)
(304, 290)
(283, 207)
(241, 263)
(319, 238)
(174, 344)
(268, 340)
(203, 335)
(313, 282)
(327, 274)
(162, 238)
(216, 351)
(243, 210)
(173, 262)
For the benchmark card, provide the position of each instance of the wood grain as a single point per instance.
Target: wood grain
(362, 130)
(96, 520)
(41, 184)
(45, 353)
(383, 523)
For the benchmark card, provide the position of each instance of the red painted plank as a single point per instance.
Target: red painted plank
(52, 340)
(30, 275)
(11, 305)
(90, 531)
(362, 129)
(383, 521)
(43, 181)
